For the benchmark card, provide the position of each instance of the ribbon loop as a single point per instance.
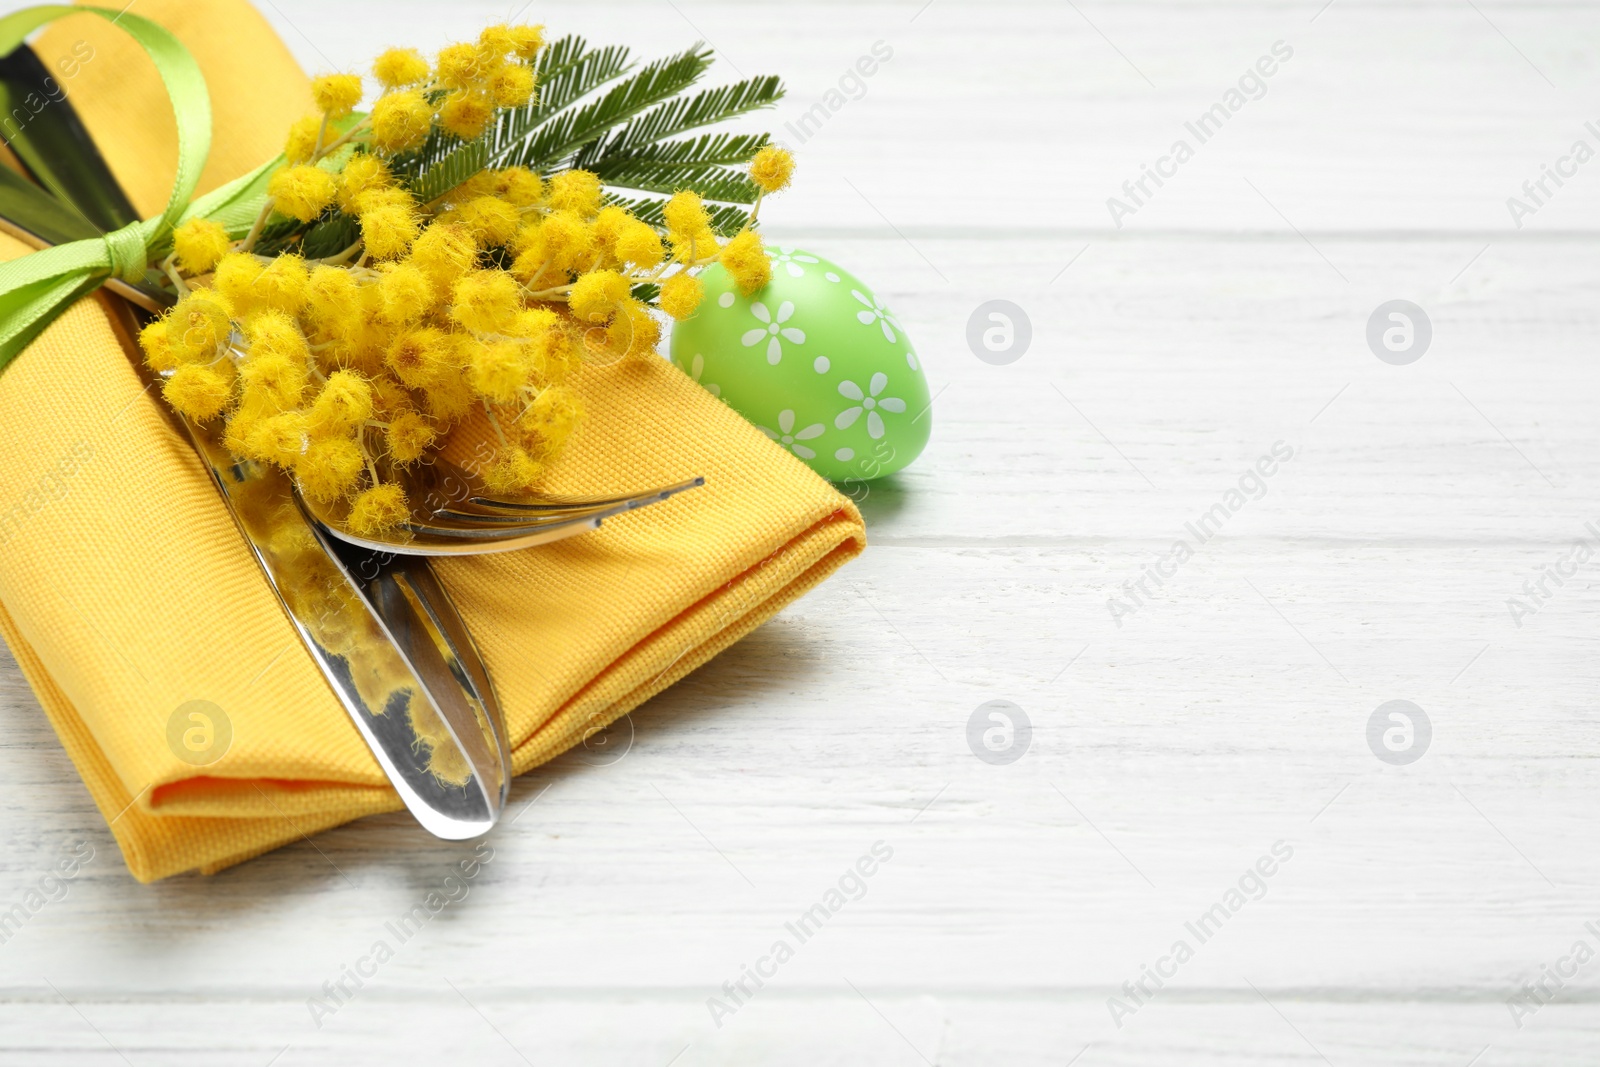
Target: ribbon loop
(35, 289)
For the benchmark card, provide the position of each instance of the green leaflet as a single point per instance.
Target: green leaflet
(595, 111)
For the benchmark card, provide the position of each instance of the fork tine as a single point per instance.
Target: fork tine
(451, 515)
(442, 486)
(487, 526)
(455, 541)
(631, 501)
(470, 532)
(509, 512)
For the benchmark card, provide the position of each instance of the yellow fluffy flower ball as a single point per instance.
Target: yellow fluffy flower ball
(301, 192)
(388, 232)
(496, 41)
(462, 66)
(329, 468)
(550, 420)
(518, 186)
(364, 173)
(330, 297)
(235, 278)
(381, 508)
(575, 190)
(419, 358)
(344, 403)
(513, 471)
(276, 380)
(197, 328)
(381, 197)
(685, 213)
(527, 40)
(198, 244)
(158, 354)
(274, 334)
(466, 114)
(445, 251)
(400, 121)
(301, 144)
(681, 295)
(278, 439)
(772, 168)
(597, 295)
(564, 240)
(689, 226)
(640, 245)
(493, 222)
(511, 86)
(283, 286)
(336, 95)
(400, 66)
(746, 259)
(199, 391)
(634, 331)
(407, 293)
(249, 285)
(498, 371)
(486, 301)
(409, 436)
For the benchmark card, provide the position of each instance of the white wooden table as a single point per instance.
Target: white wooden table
(1169, 753)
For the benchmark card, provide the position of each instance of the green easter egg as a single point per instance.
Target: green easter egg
(815, 361)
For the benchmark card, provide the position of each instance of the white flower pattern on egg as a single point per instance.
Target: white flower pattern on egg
(786, 435)
(697, 368)
(791, 261)
(773, 330)
(876, 312)
(869, 402)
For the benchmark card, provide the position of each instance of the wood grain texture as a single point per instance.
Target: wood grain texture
(1172, 747)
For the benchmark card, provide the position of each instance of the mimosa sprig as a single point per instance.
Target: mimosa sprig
(461, 248)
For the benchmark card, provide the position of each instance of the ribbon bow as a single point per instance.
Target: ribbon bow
(36, 288)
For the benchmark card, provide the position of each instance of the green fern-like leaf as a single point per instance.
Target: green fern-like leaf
(699, 163)
(279, 235)
(450, 170)
(594, 110)
(711, 181)
(638, 156)
(556, 142)
(684, 114)
(569, 70)
(728, 149)
(440, 150)
(329, 236)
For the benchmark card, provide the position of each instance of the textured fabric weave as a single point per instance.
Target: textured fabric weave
(126, 590)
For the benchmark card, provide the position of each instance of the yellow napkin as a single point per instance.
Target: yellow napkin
(126, 591)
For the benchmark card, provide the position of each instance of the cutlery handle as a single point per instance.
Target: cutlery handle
(382, 632)
(424, 626)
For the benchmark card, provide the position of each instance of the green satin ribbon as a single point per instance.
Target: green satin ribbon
(38, 287)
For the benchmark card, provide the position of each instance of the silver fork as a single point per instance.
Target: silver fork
(453, 514)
